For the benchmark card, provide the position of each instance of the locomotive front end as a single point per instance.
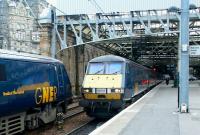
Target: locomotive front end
(103, 88)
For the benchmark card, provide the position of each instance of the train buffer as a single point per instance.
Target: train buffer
(156, 113)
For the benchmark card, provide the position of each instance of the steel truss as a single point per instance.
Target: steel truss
(138, 35)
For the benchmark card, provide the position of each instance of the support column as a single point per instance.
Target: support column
(53, 38)
(184, 57)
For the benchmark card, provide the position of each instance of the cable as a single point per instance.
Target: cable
(96, 5)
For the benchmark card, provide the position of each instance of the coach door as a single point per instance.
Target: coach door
(60, 81)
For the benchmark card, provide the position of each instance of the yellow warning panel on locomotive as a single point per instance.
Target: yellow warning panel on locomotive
(102, 81)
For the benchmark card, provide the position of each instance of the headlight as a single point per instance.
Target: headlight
(87, 90)
(117, 90)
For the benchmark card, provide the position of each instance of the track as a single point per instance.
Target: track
(86, 128)
(73, 111)
(74, 117)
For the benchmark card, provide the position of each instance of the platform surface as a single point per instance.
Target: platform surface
(156, 113)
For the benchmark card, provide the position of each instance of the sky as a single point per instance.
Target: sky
(89, 6)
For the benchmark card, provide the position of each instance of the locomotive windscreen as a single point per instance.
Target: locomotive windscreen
(96, 68)
(105, 68)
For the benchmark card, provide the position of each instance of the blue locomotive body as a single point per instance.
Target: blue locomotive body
(111, 81)
(33, 86)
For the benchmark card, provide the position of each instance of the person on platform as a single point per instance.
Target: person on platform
(167, 81)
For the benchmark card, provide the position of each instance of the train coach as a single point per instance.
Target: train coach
(33, 89)
(111, 81)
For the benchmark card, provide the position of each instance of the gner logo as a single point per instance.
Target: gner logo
(45, 95)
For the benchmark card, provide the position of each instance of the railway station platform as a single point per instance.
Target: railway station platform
(156, 113)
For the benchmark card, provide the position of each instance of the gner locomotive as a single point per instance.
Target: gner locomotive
(110, 81)
(33, 89)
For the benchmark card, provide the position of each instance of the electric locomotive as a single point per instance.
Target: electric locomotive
(33, 90)
(111, 81)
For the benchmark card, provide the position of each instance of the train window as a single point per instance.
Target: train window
(114, 68)
(42, 75)
(96, 68)
(3, 73)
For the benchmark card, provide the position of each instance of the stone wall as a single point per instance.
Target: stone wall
(19, 30)
(45, 39)
(75, 60)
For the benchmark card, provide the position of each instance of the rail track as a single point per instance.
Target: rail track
(73, 111)
(86, 128)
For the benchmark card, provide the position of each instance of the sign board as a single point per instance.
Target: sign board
(36, 37)
(184, 47)
(194, 50)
